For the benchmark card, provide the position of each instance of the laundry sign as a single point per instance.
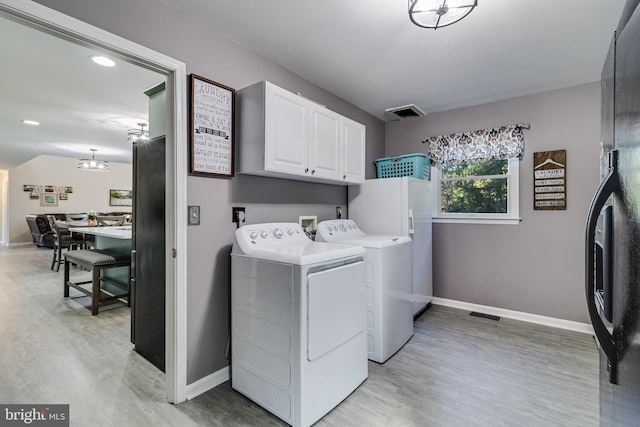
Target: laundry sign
(550, 180)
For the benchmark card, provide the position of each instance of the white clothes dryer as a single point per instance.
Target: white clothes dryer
(389, 300)
(298, 321)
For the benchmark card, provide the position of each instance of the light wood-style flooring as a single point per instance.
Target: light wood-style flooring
(457, 370)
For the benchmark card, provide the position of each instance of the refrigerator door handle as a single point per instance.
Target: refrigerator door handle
(609, 186)
(411, 222)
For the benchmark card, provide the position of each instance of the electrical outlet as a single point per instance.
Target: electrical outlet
(237, 215)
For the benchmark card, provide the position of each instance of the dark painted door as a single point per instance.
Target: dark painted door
(148, 271)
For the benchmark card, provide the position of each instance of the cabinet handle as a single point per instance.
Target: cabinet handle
(306, 170)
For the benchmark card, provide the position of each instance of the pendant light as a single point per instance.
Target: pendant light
(138, 135)
(92, 164)
(439, 13)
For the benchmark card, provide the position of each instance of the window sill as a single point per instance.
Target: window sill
(472, 220)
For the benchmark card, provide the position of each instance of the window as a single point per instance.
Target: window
(476, 175)
(478, 192)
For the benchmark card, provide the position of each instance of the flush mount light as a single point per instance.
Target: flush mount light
(439, 13)
(31, 122)
(92, 164)
(103, 60)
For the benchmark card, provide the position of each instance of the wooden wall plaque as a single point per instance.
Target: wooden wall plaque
(550, 180)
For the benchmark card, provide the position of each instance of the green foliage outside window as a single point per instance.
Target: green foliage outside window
(485, 190)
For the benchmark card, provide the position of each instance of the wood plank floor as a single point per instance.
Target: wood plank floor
(457, 370)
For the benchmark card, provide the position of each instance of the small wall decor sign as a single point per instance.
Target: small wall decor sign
(211, 127)
(550, 180)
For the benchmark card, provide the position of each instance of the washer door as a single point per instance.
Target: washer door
(336, 307)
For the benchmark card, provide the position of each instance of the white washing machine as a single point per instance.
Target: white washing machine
(389, 295)
(298, 316)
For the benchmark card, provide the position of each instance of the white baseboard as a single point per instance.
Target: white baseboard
(20, 244)
(207, 383)
(517, 315)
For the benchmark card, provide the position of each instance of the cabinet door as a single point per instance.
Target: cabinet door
(324, 142)
(353, 151)
(287, 131)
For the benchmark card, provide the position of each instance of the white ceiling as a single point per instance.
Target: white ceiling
(80, 105)
(368, 53)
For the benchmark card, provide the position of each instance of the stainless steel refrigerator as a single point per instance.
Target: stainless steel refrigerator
(402, 207)
(612, 250)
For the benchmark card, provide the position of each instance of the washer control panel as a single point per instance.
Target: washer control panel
(268, 235)
(343, 228)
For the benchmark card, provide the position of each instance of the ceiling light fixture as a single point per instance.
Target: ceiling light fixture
(138, 135)
(31, 122)
(103, 60)
(439, 13)
(92, 164)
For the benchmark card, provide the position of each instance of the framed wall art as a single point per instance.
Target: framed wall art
(120, 197)
(49, 200)
(211, 131)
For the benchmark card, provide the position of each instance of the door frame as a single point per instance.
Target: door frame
(176, 168)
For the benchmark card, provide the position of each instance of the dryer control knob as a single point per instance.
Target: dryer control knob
(290, 232)
(264, 234)
(278, 233)
(253, 235)
(343, 227)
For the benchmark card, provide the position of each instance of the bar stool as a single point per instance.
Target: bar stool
(97, 260)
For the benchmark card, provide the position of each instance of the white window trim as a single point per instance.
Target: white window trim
(512, 217)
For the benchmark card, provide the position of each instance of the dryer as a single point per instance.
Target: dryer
(389, 284)
(298, 321)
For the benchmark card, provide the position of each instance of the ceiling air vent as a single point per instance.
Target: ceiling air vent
(404, 112)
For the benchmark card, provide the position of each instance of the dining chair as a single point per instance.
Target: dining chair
(110, 220)
(62, 241)
(77, 217)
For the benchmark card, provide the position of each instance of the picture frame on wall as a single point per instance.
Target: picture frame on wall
(28, 188)
(211, 128)
(49, 200)
(120, 197)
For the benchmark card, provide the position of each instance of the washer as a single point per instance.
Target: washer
(298, 316)
(389, 301)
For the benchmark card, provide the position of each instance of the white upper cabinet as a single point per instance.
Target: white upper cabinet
(324, 142)
(286, 124)
(353, 151)
(287, 136)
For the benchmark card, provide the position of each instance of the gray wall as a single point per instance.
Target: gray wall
(159, 27)
(536, 266)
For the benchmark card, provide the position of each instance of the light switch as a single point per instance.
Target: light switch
(194, 215)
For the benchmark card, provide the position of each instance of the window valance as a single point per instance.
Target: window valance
(477, 146)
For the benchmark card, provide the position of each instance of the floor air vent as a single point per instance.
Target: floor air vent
(484, 315)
